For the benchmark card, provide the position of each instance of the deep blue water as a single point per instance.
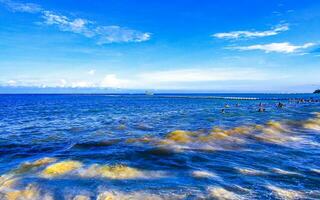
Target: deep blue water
(238, 154)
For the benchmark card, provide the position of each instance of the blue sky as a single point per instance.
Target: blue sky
(223, 45)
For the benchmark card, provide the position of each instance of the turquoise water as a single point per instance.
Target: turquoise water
(159, 147)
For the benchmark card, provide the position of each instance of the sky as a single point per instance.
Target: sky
(172, 45)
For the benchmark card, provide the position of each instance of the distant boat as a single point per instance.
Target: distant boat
(149, 93)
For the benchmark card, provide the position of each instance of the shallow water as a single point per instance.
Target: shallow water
(157, 147)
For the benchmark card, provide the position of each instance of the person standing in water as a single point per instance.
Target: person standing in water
(261, 108)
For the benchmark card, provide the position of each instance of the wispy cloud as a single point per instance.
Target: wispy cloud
(282, 47)
(251, 34)
(102, 34)
(110, 34)
(64, 23)
(21, 7)
(92, 72)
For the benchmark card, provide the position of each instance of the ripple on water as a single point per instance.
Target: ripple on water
(284, 172)
(96, 144)
(112, 172)
(249, 171)
(28, 166)
(313, 123)
(316, 170)
(115, 195)
(221, 193)
(137, 195)
(81, 197)
(286, 194)
(31, 192)
(61, 168)
(119, 172)
(204, 174)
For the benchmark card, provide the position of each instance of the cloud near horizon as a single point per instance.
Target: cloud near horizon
(251, 34)
(281, 47)
(102, 34)
(178, 79)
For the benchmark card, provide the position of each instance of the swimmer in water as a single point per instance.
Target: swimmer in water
(280, 105)
(261, 109)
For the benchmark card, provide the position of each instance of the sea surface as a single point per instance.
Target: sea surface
(80, 147)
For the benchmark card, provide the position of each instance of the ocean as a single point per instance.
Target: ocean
(169, 146)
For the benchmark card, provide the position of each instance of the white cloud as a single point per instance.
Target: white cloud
(111, 80)
(111, 34)
(21, 7)
(81, 84)
(11, 82)
(251, 34)
(282, 47)
(77, 25)
(63, 83)
(102, 34)
(29, 82)
(92, 72)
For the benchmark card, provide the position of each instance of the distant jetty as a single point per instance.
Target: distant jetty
(241, 98)
(316, 91)
(220, 97)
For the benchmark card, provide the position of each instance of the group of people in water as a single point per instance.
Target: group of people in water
(278, 105)
(262, 109)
